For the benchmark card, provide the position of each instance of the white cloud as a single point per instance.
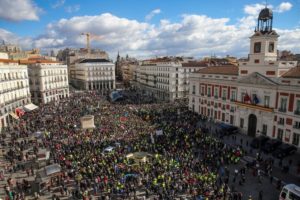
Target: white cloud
(152, 14)
(192, 35)
(253, 9)
(73, 8)
(283, 7)
(58, 3)
(18, 10)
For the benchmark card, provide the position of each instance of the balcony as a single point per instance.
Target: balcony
(297, 112)
(232, 100)
(253, 106)
(216, 97)
(283, 110)
(296, 126)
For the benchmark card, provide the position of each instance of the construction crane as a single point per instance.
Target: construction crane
(88, 37)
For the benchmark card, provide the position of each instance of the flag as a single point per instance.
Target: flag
(255, 99)
(247, 98)
(19, 112)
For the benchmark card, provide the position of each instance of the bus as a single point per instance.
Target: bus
(290, 192)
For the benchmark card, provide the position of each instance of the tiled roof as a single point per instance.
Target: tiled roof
(195, 64)
(292, 73)
(93, 60)
(224, 70)
(7, 61)
(37, 61)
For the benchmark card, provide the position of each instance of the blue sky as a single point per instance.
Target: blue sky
(55, 24)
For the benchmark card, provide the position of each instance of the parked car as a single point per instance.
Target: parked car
(259, 142)
(250, 161)
(271, 145)
(284, 150)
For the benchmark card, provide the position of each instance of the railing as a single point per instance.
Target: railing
(253, 106)
(296, 126)
(297, 112)
(282, 110)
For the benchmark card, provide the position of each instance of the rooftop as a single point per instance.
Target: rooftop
(195, 64)
(2, 60)
(292, 73)
(224, 70)
(91, 60)
(36, 61)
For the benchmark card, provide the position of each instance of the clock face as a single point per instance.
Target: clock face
(257, 47)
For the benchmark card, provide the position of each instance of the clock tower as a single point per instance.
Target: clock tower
(263, 56)
(263, 45)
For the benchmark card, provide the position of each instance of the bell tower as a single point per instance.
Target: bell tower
(263, 44)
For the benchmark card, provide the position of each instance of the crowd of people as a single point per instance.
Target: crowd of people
(183, 161)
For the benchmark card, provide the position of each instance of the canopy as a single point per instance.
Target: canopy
(14, 115)
(52, 169)
(30, 107)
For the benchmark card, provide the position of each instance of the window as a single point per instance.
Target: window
(297, 111)
(243, 97)
(194, 89)
(216, 93)
(264, 129)
(296, 139)
(297, 125)
(176, 75)
(271, 47)
(283, 104)
(233, 95)
(224, 93)
(208, 112)
(208, 92)
(256, 61)
(257, 47)
(267, 101)
(281, 121)
(223, 117)
(241, 123)
(279, 134)
(231, 119)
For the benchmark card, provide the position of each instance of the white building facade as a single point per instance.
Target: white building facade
(48, 81)
(164, 78)
(93, 74)
(14, 90)
(261, 96)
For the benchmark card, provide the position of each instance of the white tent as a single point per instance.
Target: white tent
(30, 107)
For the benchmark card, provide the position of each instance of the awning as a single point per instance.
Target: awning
(14, 115)
(30, 107)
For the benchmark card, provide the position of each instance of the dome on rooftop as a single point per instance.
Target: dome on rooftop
(265, 14)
